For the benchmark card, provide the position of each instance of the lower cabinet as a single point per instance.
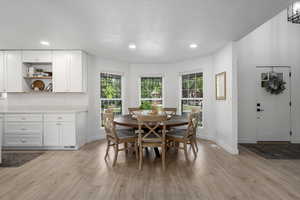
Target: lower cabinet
(44, 131)
(59, 134)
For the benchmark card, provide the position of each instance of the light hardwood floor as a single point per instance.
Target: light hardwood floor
(215, 175)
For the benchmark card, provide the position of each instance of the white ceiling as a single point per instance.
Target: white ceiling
(161, 29)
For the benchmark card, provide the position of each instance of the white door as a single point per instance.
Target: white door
(75, 71)
(68, 134)
(273, 111)
(13, 68)
(60, 77)
(51, 134)
(2, 72)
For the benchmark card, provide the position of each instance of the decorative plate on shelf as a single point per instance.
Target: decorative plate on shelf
(38, 85)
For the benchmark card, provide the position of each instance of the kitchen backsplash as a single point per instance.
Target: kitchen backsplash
(49, 99)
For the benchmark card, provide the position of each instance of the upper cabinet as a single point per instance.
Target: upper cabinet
(59, 71)
(37, 56)
(69, 71)
(11, 79)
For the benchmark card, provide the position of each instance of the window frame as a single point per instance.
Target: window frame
(162, 88)
(180, 92)
(113, 99)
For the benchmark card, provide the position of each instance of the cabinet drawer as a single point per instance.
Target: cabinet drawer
(23, 127)
(22, 141)
(24, 117)
(59, 117)
(37, 56)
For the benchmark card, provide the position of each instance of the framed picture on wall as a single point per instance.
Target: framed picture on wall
(221, 86)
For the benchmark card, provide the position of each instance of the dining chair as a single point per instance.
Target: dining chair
(115, 137)
(170, 111)
(150, 136)
(186, 136)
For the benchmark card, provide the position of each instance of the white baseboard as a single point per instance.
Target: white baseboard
(228, 148)
(295, 141)
(206, 137)
(95, 137)
(247, 141)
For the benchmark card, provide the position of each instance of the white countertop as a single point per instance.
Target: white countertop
(43, 109)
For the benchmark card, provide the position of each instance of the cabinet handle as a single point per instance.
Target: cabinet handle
(23, 141)
(24, 129)
(59, 118)
(23, 118)
(58, 123)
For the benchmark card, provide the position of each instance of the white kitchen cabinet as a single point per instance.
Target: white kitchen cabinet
(23, 130)
(11, 79)
(59, 69)
(44, 130)
(51, 134)
(59, 134)
(69, 71)
(67, 133)
(37, 56)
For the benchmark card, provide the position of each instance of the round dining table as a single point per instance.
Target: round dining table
(129, 121)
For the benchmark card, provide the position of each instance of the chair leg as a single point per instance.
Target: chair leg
(185, 150)
(136, 150)
(193, 148)
(107, 149)
(116, 147)
(141, 157)
(163, 157)
(196, 144)
(126, 147)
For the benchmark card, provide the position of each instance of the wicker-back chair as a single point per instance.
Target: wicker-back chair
(115, 137)
(170, 111)
(186, 136)
(152, 133)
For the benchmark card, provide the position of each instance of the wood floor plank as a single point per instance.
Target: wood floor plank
(214, 175)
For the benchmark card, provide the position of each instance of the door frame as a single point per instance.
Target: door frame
(290, 97)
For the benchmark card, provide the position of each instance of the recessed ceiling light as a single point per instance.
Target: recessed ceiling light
(132, 46)
(193, 46)
(45, 43)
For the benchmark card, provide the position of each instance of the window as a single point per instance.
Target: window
(192, 93)
(151, 91)
(110, 93)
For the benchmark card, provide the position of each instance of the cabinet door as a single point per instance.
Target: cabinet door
(13, 69)
(75, 71)
(68, 134)
(51, 134)
(60, 65)
(2, 72)
(37, 56)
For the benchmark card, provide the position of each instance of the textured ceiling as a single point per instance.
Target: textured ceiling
(161, 29)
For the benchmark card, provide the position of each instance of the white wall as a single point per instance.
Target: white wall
(226, 110)
(98, 65)
(171, 75)
(275, 43)
(213, 123)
